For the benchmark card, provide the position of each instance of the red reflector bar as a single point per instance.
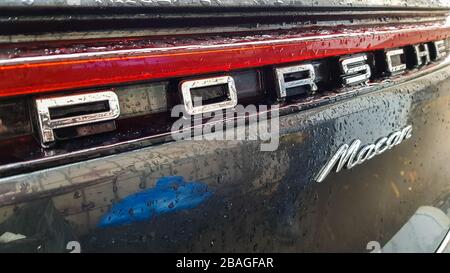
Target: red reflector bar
(58, 72)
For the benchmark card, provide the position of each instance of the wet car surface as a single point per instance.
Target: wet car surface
(228, 195)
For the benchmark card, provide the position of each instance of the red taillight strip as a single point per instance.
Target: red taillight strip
(49, 73)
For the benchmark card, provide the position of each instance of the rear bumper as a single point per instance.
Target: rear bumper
(268, 201)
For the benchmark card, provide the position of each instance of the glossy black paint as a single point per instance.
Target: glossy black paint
(271, 203)
(268, 201)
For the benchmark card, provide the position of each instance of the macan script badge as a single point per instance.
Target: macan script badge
(352, 155)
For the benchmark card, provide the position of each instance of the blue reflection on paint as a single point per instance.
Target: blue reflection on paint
(170, 194)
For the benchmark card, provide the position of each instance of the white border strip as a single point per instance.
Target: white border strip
(445, 243)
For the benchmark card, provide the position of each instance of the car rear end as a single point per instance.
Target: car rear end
(231, 126)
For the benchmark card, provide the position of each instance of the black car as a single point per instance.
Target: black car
(224, 126)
